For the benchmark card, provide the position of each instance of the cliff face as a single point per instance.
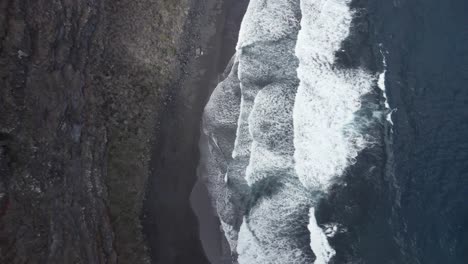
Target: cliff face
(82, 86)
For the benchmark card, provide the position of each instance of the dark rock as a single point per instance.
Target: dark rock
(83, 87)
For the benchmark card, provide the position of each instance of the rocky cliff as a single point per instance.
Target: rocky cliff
(87, 89)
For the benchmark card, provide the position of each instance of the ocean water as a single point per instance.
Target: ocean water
(339, 133)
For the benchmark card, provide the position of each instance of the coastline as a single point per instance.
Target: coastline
(169, 222)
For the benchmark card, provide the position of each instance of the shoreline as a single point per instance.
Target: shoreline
(169, 222)
(213, 241)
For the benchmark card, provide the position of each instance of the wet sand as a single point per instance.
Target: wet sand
(170, 225)
(214, 243)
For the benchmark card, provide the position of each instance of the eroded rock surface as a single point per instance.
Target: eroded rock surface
(83, 85)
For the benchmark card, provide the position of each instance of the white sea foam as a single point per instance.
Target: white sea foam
(216, 145)
(331, 229)
(269, 234)
(292, 138)
(267, 21)
(381, 85)
(325, 138)
(230, 234)
(318, 241)
(253, 252)
(270, 126)
(267, 71)
(381, 81)
(268, 81)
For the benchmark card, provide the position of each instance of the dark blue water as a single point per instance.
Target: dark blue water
(406, 199)
(428, 73)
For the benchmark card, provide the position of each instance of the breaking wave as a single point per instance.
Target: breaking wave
(325, 137)
(281, 128)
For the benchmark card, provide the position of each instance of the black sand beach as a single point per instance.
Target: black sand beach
(169, 222)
